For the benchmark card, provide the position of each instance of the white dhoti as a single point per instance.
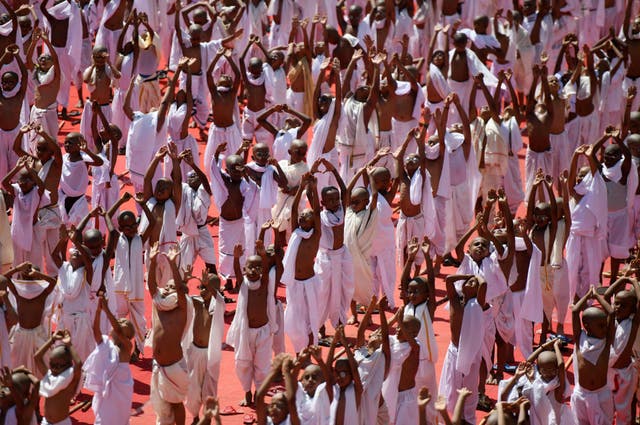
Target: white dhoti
(87, 116)
(118, 116)
(302, 314)
(619, 234)
(399, 131)
(409, 228)
(561, 153)
(251, 128)
(555, 291)
(8, 158)
(46, 232)
(108, 38)
(256, 369)
(587, 127)
(407, 412)
(78, 208)
(623, 383)
(134, 308)
(24, 344)
(295, 100)
(513, 184)
(48, 119)
(462, 214)
(80, 326)
(523, 329)
(592, 407)
(230, 234)
(383, 268)
(201, 383)
(218, 135)
(169, 385)
(463, 89)
(278, 336)
(452, 380)
(534, 161)
(584, 258)
(67, 72)
(335, 273)
(197, 245)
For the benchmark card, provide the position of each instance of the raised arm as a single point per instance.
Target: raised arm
(263, 119)
(296, 202)
(151, 171)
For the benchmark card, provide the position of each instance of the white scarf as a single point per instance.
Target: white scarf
(350, 409)
(282, 143)
(329, 220)
(426, 337)
(613, 173)
(399, 353)
(175, 118)
(378, 25)
(415, 189)
(70, 282)
(8, 94)
(238, 335)
(623, 332)
(471, 336)
(166, 303)
(44, 78)
(256, 81)
(432, 152)
(584, 87)
(591, 347)
(359, 235)
(51, 385)
(489, 270)
(531, 307)
(216, 332)
(439, 81)
(268, 185)
(128, 273)
(320, 133)
(168, 232)
(100, 367)
(75, 178)
(289, 261)
(594, 192)
(25, 206)
(403, 88)
(29, 289)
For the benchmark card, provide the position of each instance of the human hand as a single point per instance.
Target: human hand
(238, 251)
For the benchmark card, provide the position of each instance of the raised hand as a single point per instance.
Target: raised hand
(412, 247)
(154, 252)
(238, 251)
(424, 397)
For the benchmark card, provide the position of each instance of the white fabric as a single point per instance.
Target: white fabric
(399, 353)
(471, 336)
(168, 235)
(320, 133)
(128, 273)
(25, 206)
(350, 410)
(359, 234)
(214, 349)
(51, 385)
(71, 11)
(301, 315)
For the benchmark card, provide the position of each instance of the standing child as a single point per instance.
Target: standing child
(592, 401)
(282, 408)
(107, 370)
(302, 314)
(61, 379)
(251, 332)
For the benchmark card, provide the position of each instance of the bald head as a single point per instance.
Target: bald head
(92, 235)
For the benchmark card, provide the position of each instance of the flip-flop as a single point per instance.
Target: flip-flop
(248, 419)
(510, 368)
(230, 411)
(484, 403)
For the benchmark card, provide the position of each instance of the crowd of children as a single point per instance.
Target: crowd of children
(353, 160)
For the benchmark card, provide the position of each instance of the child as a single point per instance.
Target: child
(128, 271)
(192, 218)
(107, 370)
(591, 401)
(373, 359)
(282, 409)
(164, 201)
(333, 263)
(587, 212)
(75, 178)
(74, 277)
(623, 376)
(462, 363)
(21, 388)
(302, 314)
(252, 328)
(170, 376)
(346, 394)
(399, 389)
(61, 379)
(31, 293)
(422, 305)
(27, 193)
(204, 353)
(314, 388)
(549, 387)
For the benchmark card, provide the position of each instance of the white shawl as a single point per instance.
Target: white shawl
(289, 261)
(25, 207)
(168, 232)
(75, 177)
(100, 367)
(6, 245)
(489, 269)
(193, 210)
(359, 235)
(591, 347)
(128, 273)
(594, 201)
(238, 335)
(351, 416)
(140, 149)
(70, 282)
(268, 187)
(320, 133)
(329, 220)
(471, 336)
(426, 337)
(532, 303)
(439, 81)
(399, 353)
(216, 332)
(475, 67)
(623, 332)
(29, 289)
(51, 385)
(420, 193)
(70, 10)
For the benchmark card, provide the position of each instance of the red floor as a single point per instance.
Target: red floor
(230, 392)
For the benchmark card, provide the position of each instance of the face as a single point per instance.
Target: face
(547, 366)
(582, 173)
(542, 215)
(298, 151)
(75, 259)
(278, 408)
(529, 7)
(479, 249)
(260, 154)
(9, 81)
(276, 60)
(412, 163)
(235, 167)
(128, 225)
(45, 62)
(99, 59)
(354, 16)
(438, 59)
(25, 181)
(380, 13)
(311, 378)
(253, 268)
(595, 323)
(382, 180)
(623, 305)
(611, 156)
(359, 202)
(225, 81)
(342, 374)
(417, 292)
(168, 289)
(209, 287)
(554, 84)
(72, 145)
(331, 200)
(162, 191)
(305, 220)
(324, 102)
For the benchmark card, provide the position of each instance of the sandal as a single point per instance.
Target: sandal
(484, 403)
(229, 411)
(248, 419)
